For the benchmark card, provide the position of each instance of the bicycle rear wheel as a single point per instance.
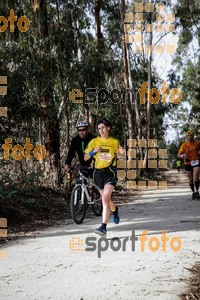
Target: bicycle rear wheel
(77, 206)
(97, 206)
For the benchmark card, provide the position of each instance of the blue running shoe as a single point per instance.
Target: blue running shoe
(116, 218)
(101, 231)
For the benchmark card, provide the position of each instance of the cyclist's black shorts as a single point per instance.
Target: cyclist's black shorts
(104, 177)
(190, 168)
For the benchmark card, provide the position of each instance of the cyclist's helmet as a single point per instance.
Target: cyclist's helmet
(81, 124)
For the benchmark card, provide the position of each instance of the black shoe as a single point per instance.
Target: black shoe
(101, 231)
(194, 196)
(197, 196)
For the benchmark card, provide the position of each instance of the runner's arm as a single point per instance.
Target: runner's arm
(71, 153)
(91, 153)
(91, 150)
(181, 152)
(198, 148)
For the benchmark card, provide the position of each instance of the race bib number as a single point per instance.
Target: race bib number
(105, 156)
(194, 163)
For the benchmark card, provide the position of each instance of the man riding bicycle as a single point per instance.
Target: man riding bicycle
(78, 145)
(190, 152)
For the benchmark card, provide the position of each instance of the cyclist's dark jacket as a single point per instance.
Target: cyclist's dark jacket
(78, 146)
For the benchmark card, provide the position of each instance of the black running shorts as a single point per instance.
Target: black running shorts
(104, 177)
(190, 168)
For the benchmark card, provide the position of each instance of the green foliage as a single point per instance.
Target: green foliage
(13, 185)
(172, 150)
(187, 60)
(59, 53)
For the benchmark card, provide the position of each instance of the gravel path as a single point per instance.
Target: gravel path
(45, 267)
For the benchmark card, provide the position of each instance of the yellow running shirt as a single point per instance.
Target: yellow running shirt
(109, 148)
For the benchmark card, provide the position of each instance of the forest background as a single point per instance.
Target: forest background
(80, 45)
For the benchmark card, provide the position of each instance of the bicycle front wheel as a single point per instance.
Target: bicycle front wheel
(77, 205)
(97, 206)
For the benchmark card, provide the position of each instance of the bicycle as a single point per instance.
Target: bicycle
(83, 194)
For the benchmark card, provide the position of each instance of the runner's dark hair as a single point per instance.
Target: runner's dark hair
(105, 122)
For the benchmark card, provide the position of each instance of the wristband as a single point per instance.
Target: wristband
(91, 153)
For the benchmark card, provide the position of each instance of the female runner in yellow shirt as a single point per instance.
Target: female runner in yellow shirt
(104, 150)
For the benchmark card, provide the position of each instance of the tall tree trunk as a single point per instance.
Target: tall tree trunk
(100, 44)
(127, 74)
(49, 117)
(77, 36)
(99, 56)
(148, 109)
(149, 84)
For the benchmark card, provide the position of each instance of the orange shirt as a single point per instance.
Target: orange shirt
(191, 149)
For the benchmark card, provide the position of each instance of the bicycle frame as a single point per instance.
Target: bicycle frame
(84, 187)
(84, 193)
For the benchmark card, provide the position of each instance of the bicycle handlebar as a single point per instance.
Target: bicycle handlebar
(80, 168)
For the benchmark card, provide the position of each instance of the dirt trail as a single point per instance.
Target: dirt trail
(45, 267)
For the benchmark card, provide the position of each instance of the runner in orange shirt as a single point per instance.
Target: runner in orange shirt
(190, 152)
